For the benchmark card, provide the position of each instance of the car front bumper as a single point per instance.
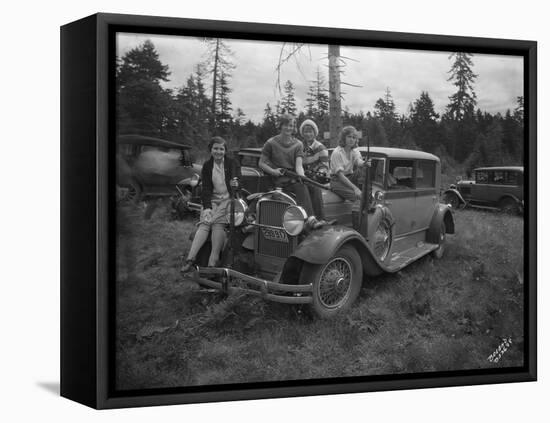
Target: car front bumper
(230, 281)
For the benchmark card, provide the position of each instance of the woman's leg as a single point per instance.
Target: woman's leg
(302, 196)
(218, 239)
(198, 241)
(316, 196)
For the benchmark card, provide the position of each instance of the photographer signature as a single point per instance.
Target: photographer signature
(499, 352)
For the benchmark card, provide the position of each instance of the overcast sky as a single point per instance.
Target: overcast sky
(405, 72)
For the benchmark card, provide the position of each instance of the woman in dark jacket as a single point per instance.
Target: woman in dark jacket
(220, 175)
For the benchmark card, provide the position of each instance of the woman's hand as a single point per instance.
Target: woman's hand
(206, 216)
(277, 172)
(358, 193)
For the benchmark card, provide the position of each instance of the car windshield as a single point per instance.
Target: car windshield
(376, 171)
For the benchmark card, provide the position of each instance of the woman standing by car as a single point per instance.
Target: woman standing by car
(344, 163)
(220, 175)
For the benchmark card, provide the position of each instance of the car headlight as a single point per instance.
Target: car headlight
(194, 180)
(294, 220)
(240, 209)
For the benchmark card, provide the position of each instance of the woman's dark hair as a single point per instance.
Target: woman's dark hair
(217, 140)
(346, 130)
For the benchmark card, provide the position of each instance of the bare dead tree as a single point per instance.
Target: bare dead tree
(336, 62)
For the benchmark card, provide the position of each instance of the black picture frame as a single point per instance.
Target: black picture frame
(87, 221)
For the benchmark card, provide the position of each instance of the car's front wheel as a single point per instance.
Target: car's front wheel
(336, 284)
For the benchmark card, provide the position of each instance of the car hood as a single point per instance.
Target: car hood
(159, 168)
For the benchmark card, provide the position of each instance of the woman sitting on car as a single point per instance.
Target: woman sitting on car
(344, 163)
(220, 175)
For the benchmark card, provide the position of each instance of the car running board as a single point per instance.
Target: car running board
(401, 259)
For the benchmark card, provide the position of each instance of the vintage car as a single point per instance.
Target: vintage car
(148, 167)
(492, 188)
(253, 179)
(275, 250)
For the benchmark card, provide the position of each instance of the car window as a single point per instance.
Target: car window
(425, 174)
(482, 177)
(498, 177)
(376, 171)
(513, 178)
(400, 174)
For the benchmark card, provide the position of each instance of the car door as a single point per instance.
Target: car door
(480, 190)
(426, 197)
(400, 195)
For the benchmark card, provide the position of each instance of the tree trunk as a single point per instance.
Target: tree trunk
(215, 80)
(335, 105)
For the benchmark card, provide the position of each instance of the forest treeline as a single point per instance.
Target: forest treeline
(463, 136)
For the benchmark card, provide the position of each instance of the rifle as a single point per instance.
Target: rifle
(231, 254)
(365, 194)
(305, 179)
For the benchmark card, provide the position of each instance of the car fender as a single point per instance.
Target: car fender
(457, 193)
(323, 243)
(441, 214)
(513, 197)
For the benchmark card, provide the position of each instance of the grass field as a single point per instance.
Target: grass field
(435, 315)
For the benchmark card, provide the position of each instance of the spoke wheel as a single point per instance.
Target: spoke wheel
(336, 284)
(440, 251)
(382, 240)
(133, 193)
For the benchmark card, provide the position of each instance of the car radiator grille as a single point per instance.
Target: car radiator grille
(271, 213)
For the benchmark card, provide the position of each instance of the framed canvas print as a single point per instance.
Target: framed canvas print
(255, 211)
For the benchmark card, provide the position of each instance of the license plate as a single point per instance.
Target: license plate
(275, 234)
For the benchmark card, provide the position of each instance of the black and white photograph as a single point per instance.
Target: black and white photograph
(275, 211)
(290, 211)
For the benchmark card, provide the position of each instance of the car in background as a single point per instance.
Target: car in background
(148, 168)
(253, 179)
(499, 187)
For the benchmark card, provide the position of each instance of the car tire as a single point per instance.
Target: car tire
(336, 284)
(382, 240)
(134, 193)
(440, 251)
(452, 199)
(508, 206)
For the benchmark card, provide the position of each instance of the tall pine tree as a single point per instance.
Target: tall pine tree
(460, 110)
(423, 120)
(143, 106)
(288, 102)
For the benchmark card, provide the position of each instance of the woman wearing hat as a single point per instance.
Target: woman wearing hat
(315, 154)
(285, 152)
(220, 175)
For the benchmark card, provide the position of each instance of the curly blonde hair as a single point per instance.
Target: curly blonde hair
(346, 130)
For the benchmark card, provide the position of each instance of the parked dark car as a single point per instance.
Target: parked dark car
(492, 188)
(150, 167)
(253, 179)
(288, 258)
